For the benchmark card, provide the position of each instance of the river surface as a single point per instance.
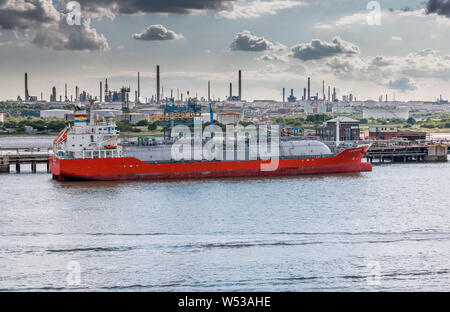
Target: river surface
(386, 230)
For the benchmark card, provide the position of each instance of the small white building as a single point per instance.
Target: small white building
(2, 117)
(55, 113)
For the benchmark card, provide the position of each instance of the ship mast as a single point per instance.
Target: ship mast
(91, 112)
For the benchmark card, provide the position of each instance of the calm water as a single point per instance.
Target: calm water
(385, 230)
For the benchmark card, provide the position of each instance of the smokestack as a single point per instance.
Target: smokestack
(76, 93)
(309, 88)
(323, 90)
(334, 94)
(101, 91)
(139, 87)
(26, 87)
(240, 86)
(157, 85)
(209, 90)
(65, 92)
(329, 94)
(231, 91)
(304, 93)
(284, 94)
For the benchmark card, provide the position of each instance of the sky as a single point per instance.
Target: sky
(367, 48)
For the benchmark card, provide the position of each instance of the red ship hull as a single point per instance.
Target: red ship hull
(114, 169)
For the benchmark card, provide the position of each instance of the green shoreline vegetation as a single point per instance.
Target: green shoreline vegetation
(19, 117)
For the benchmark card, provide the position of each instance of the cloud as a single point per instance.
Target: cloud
(440, 7)
(424, 64)
(61, 36)
(44, 25)
(318, 49)
(21, 15)
(131, 7)
(245, 41)
(47, 28)
(345, 21)
(402, 84)
(434, 13)
(272, 58)
(157, 32)
(380, 61)
(257, 8)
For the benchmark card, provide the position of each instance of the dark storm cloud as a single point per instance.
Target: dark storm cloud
(158, 33)
(318, 49)
(47, 28)
(155, 6)
(441, 7)
(245, 41)
(21, 15)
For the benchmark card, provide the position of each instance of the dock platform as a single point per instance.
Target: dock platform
(406, 152)
(19, 156)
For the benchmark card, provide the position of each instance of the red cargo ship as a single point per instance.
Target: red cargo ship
(92, 152)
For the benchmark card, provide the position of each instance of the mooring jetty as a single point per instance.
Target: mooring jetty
(407, 151)
(19, 156)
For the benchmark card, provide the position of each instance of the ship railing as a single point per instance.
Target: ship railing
(106, 153)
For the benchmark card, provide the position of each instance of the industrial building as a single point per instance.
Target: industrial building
(107, 112)
(55, 113)
(391, 132)
(383, 132)
(132, 117)
(226, 118)
(152, 111)
(378, 113)
(348, 129)
(316, 108)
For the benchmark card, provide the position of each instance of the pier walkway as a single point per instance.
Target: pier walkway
(406, 152)
(19, 156)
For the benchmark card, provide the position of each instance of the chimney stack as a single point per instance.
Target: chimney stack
(209, 90)
(231, 91)
(157, 84)
(323, 90)
(26, 87)
(284, 95)
(65, 92)
(139, 88)
(240, 85)
(101, 91)
(309, 88)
